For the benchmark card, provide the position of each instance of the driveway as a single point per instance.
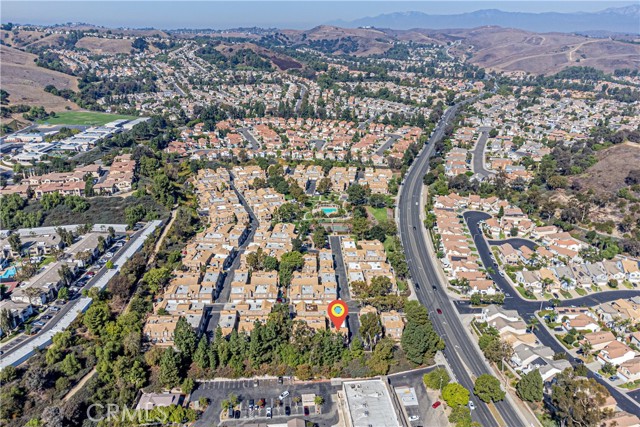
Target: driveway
(343, 288)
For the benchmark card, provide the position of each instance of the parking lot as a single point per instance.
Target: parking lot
(49, 311)
(262, 394)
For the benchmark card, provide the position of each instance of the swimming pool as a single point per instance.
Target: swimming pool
(329, 211)
(9, 272)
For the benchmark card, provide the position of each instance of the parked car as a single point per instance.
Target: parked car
(613, 378)
(283, 395)
(251, 404)
(287, 410)
(472, 406)
(38, 323)
(306, 411)
(269, 414)
(280, 380)
(434, 287)
(54, 308)
(436, 404)
(414, 418)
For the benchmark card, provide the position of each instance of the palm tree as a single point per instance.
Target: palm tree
(586, 349)
(533, 324)
(546, 282)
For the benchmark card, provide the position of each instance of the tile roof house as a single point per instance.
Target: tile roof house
(616, 353)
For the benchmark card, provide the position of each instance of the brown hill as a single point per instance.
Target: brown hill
(25, 81)
(353, 41)
(507, 49)
(613, 166)
(283, 62)
(105, 46)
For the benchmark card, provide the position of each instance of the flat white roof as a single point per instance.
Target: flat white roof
(370, 404)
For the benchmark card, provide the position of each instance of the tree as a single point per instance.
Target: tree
(382, 357)
(577, 400)
(156, 278)
(52, 417)
(187, 386)
(70, 365)
(377, 200)
(455, 395)
(65, 274)
(15, 242)
(201, 355)
(319, 236)
(487, 388)
(530, 387)
(370, 328)
(436, 379)
(6, 321)
(359, 226)
(170, 368)
(163, 190)
(324, 186)
(109, 265)
(96, 317)
(461, 417)
(185, 338)
(288, 212)
(318, 400)
(357, 194)
(63, 293)
(420, 342)
(498, 350)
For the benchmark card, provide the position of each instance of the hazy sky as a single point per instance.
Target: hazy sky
(282, 14)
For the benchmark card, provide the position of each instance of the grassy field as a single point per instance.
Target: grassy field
(88, 118)
(380, 214)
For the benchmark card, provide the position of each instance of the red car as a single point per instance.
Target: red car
(436, 404)
(439, 311)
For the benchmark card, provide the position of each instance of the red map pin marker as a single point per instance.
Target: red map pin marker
(337, 312)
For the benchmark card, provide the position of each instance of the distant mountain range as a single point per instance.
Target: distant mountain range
(619, 20)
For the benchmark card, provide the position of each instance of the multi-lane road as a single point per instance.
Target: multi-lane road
(465, 359)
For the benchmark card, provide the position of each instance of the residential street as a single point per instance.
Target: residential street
(527, 308)
(478, 154)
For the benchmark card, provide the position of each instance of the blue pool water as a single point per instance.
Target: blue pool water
(9, 272)
(329, 211)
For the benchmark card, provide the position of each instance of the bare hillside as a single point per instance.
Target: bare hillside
(506, 49)
(25, 81)
(104, 46)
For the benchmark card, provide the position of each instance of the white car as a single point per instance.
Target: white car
(471, 405)
(414, 418)
(283, 395)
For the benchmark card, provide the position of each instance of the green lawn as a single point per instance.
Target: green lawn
(522, 292)
(88, 118)
(566, 294)
(380, 214)
(581, 291)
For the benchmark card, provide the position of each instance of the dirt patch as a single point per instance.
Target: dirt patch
(104, 46)
(25, 81)
(614, 164)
